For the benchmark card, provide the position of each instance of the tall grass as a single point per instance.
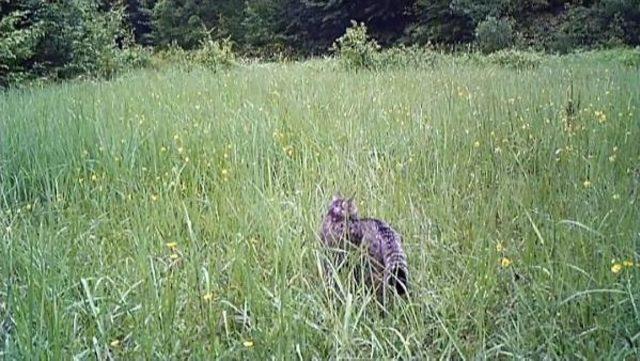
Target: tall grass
(513, 191)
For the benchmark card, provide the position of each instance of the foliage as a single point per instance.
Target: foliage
(584, 28)
(138, 17)
(412, 57)
(135, 57)
(494, 34)
(515, 59)
(178, 24)
(480, 10)
(60, 40)
(90, 38)
(215, 54)
(17, 45)
(625, 16)
(438, 23)
(611, 23)
(188, 23)
(355, 49)
(265, 28)
(171, 56)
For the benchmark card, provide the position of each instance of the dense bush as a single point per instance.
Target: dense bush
(515, 59)
(172, 55)
(215, 55)
(494, 34)
(355, 49)
(60, 40)
(413, 57)
(89, 42)
(583, 28)
(17, 45)
(135, 57)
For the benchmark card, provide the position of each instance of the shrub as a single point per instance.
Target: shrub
(134, 57)
(494, 34)
(355, 49)
(92, 43)
(407, 57)
(16, 47)
(64, 39)
(215, 54)
(586, 28)
(172, 55)
(515, 59)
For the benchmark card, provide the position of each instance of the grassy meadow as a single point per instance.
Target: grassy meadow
(173, 214)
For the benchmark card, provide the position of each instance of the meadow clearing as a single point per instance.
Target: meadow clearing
(173, 214)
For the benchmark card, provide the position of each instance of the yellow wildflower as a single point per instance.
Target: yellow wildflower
(476, 144)
(616, 268)
(627, 263)
(180, 150)
(173, 256)
(94, 177)
(163, 149)
(248, 344)
(115, 343)
(505, 262)
(207, 296)
(172, 245)
(224, 172)
(586, 183)
(154, 198)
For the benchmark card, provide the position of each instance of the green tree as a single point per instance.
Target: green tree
(18, 41)
(188, 22)
(494, 34)
(265, 24)
(57, 39)
(438, 22)
(479, 10)
(624, 14)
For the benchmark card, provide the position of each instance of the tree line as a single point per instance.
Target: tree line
(310, 26)
(64, 38)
